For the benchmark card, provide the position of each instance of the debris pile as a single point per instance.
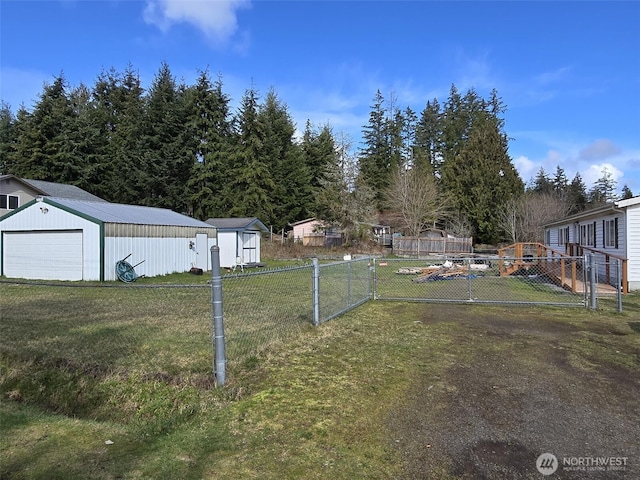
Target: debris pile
(448, 270)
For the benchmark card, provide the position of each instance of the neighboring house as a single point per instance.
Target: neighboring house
(53, 238)
(314, 233)
(239, 240)
(610, 232)
(309, 228)
(15, 192)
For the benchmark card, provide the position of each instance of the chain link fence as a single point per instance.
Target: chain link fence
(266, 307)
(506, 280)
(167, 331)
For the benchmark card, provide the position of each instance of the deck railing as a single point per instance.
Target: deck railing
(544, 257)
(575, 249)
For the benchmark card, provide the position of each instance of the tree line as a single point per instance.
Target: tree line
(182, 147)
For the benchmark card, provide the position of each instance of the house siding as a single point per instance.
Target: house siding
(12, 186)
(632, 238)
(626, 242)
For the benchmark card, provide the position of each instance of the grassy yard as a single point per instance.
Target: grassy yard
(389, 390)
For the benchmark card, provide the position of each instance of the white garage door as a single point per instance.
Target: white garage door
(43, 255)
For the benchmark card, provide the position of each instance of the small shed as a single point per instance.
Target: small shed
(238, 239)
(65, 239)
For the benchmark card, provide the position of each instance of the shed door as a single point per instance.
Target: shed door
(202, 251)
(43, 255)
(249, 251)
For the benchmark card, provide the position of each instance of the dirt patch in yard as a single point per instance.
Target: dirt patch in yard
(512, 390)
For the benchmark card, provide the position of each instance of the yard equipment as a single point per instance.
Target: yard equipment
(125, 271)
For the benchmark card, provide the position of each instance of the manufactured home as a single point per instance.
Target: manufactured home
(611, 233)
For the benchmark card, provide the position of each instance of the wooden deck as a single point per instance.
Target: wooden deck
(565, 271)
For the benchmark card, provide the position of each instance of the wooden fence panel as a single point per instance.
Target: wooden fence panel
(422, 246)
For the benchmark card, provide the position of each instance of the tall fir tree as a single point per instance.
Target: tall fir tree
(576, 195)
(428, 138)
(167, 162)
(8, 137)
(626, 193)
(250, 179)
(604, 189)
(483, 179)
(291, 194)
(119, 111)
(41, 150)
(209, 126)
(374, 158)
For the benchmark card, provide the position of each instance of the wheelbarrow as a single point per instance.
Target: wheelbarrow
(125, 271)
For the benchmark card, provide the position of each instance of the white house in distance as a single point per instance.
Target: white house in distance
(610, 232)
(53, 238)
(239, 240)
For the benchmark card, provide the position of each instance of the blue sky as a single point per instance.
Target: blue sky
(568, 72)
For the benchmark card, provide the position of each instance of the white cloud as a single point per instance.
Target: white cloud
(595, 171)
(216, 19)
(599, 150)
(526, 168)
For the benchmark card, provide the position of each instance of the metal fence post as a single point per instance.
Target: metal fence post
(619, 284)
(469, 280)
(348, 283)
(220, 358)
(316, 292)
(592, 281)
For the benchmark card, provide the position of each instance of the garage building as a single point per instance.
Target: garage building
(65, 239)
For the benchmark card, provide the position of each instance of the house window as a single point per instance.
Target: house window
(9, 202)
(610, 230)
(547, 237)
(563, 236)
(591, 234)
(588, 234)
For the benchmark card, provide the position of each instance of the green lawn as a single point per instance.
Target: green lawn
(83, 367)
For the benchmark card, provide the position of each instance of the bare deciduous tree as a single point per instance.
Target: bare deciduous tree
(523, 219)
(414, 195)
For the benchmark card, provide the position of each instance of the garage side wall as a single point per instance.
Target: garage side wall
(152, 249)
(35, 245)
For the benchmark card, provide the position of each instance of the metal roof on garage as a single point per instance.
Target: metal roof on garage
(131, 214)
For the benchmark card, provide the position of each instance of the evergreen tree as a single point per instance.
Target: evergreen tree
(428, 136)
(41, 150)
(85, 142)
(577, 195)
(8, 136)
(604, 190)
(120, 108)
(560, 183)
(291, 196)
(166, 161)
(626, 193)
(374, 159)
(483, 179)
(250, 179)
(542, 183)
(210, 130)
